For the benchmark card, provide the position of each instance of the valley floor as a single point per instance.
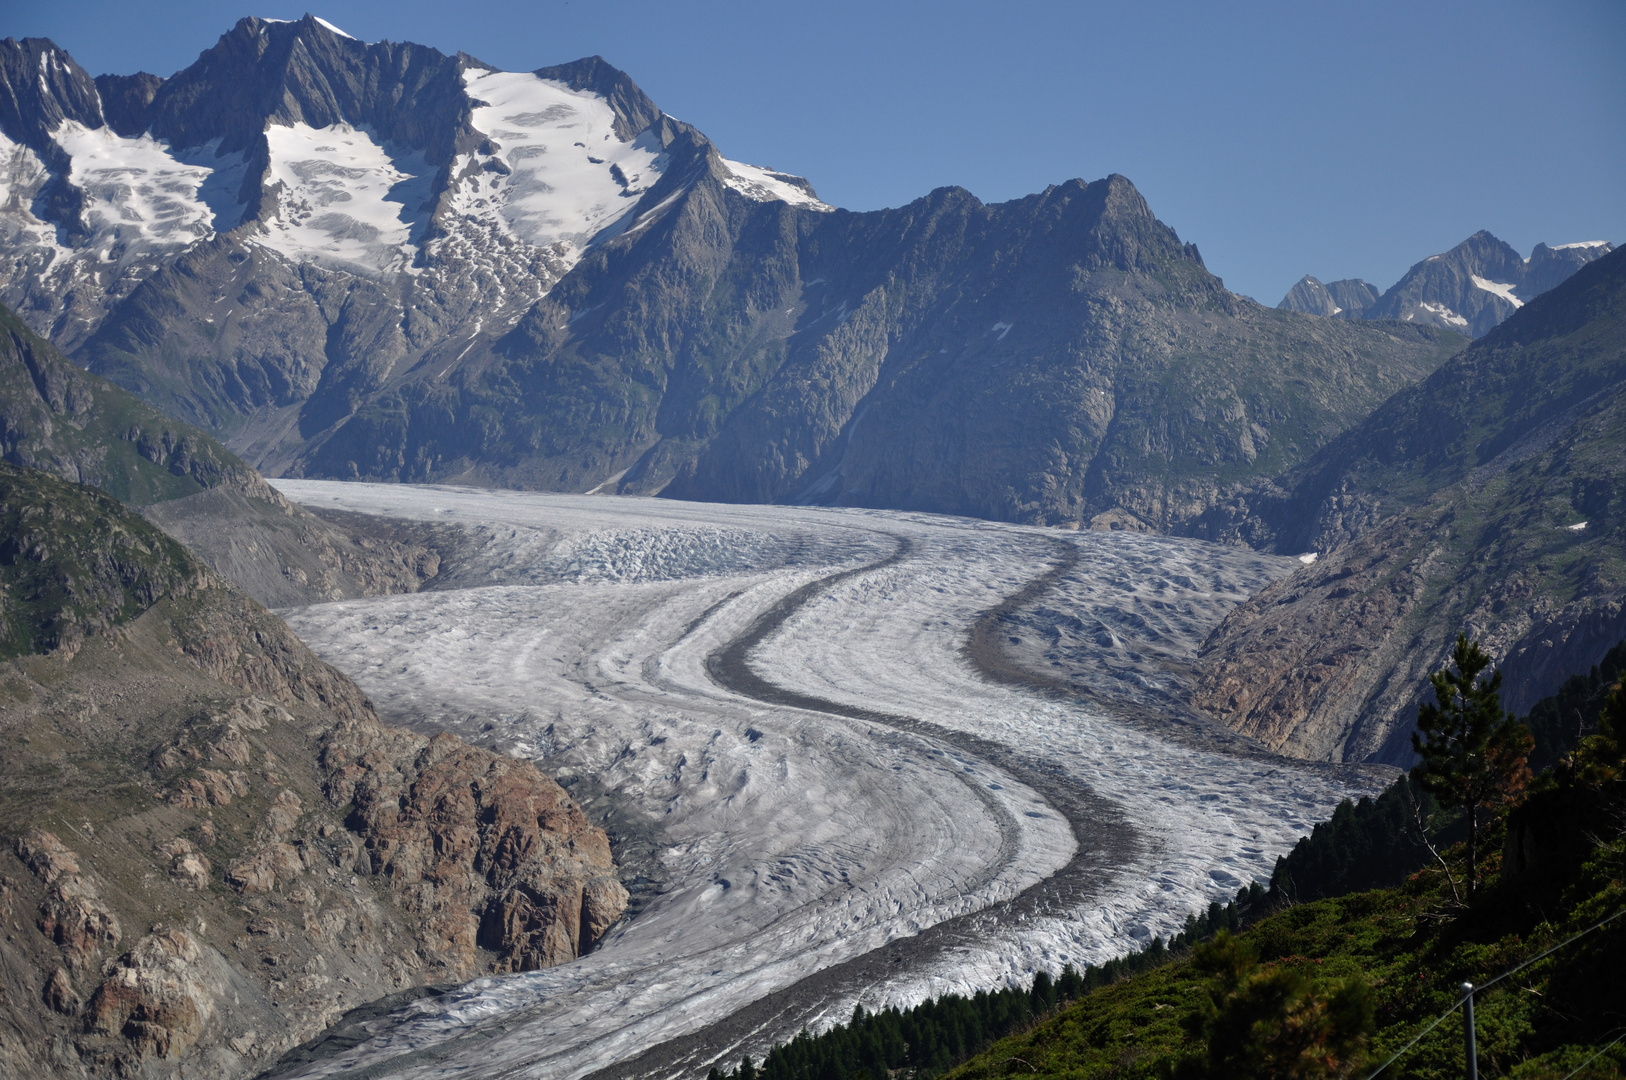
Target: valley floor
(860, 777)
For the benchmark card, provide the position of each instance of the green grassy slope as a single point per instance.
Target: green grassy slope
(73, 561)
(1413, 947)
(55, 417)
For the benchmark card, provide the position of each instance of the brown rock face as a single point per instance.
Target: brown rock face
(1295, 664)
(484, 841)
(59, 993)
(154, 997)
(72, 914)
(203, 762)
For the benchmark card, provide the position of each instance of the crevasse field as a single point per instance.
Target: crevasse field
(858, 792)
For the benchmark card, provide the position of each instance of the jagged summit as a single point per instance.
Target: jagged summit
(304, 143)
(1345, 299)
(1470, 289)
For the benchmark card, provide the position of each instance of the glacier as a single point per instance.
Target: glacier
(885, 756)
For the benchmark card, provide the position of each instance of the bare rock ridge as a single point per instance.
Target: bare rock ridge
(212, 848)
(1471, 289)
(1491, 498)
(712, 331)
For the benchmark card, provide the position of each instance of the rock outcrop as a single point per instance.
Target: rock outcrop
(213, 849)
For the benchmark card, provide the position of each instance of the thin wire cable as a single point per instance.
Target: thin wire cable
(1484, 986)
(1438, 1020)
(1554, 949)
(1594, 1057)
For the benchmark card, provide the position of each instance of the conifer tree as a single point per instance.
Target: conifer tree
(1473, 754)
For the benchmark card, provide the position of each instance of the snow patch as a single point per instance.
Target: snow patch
(342, 198)
(1443, 314)
(1309, 557)
(333, 28)
(559, 176)
(1002, 328)
(765, 185)
(1581, 244)
(138, 192)
(1577, 527)
(1497, 288)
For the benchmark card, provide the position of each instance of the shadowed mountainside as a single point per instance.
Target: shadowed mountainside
(56, 417)
(1491, 499)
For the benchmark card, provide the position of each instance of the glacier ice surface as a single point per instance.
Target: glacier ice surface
(577, 633)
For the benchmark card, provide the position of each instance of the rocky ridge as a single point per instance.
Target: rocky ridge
(213, 849)
(1487, 499)
(1345, 299)
(56, 417)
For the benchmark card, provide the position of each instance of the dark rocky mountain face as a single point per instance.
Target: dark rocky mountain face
(1491, 498)
(1470, 289)
(379, 261)
(210, 848)
(1345, 299)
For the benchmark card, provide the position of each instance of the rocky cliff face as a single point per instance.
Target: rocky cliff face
(395, 264)
(1488, 500)
(212, 849)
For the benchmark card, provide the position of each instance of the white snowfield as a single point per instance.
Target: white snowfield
(766, 185)
(1442, 314)
(566, 177)
(342, 199)
(139, 192)
(551, 180)
(853, 781)
(1496, 288)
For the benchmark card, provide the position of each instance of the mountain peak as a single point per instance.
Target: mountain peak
(1475, 285)
(635, 113)
(1347, 298)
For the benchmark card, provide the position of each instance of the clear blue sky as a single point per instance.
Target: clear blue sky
(1347, 139)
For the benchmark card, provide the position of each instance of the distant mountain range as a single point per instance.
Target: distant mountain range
(1469, 289)
(380, 261)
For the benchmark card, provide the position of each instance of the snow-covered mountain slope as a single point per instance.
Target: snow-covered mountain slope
(558, 174)
(976, 830)
(1469, 289)
(765, 185)
(464, 191)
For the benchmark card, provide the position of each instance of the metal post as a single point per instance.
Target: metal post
(1468, 1029)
